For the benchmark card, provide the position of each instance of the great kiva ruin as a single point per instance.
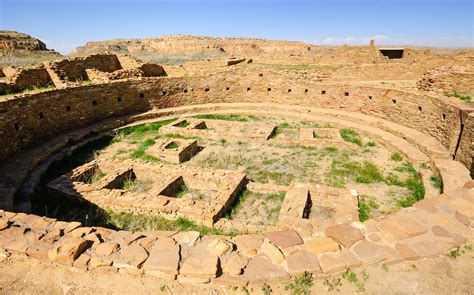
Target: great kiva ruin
(248, 162)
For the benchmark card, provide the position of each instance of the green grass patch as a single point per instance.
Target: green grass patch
(351, 135)
(245, 194)
(171, 146)
(275, 197)
(396, 157)
(436, 181)
(141, 129)
(301, 285)
(139, 153)
(141, 222)
(232, 117)
(459, 95)
(183, 124)
(366, 204)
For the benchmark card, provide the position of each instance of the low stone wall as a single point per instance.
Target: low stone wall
(428, 229)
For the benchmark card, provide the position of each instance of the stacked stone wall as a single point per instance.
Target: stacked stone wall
(26, 120)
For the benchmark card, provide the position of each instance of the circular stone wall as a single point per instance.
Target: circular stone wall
(41, 128)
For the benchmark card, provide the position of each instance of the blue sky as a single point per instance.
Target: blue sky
(63, 25)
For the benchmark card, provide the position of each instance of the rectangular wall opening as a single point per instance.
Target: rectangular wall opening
(392, 53)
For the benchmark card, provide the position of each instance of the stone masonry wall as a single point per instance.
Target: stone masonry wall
(74, 69)
(24, 78)
(75, 107)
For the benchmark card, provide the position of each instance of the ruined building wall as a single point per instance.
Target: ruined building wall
(24, 78)
(465, 152)
(74, 69)
(31, 119)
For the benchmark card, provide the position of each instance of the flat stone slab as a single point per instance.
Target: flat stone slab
(202, 263)
(301, 261)
(332, 262)
(318, 245)
(260, 270)
(163, 258)
(367, 252)
(131, 256)
(344, 234)
(284, 239)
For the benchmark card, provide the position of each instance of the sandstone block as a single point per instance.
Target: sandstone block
(67, 250)
(344, 234)
(164, 258)
(367, 252)
(318, 245)
(106, 249)
(332, 262)
(261, 270)
(284, 239)
(131, 256)
(200, 264)
(235, 264)
(302, 261)
(272, 252)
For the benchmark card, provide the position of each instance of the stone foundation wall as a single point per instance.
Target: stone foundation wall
(29, 119)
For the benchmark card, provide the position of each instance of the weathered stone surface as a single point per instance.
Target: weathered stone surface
(284, 239)
(131, 256)
(318, 245)
(38, 250)
(391, 256)
(302, 261)
(106, 249)
(219, 246)
(350, 259)
(401, 228)
(67, 250)
(331, 262)
(235, 264)
(81, 232)
(367, 252)
(261, 270)
(440, 232)
(164, 258)
(201, 263)
(406, 251)
(99, 262)
(186, 238)
(4, 223)
(272, 252)
(344, 234)
(248, 244)
(82, 261)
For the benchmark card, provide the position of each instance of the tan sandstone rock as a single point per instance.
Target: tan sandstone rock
(344, 234)
(67, 250)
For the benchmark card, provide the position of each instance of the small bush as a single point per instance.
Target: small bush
(364, 209)
(301, 285)
(351, 135)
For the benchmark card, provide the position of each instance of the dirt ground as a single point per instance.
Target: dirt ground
(439, 275)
